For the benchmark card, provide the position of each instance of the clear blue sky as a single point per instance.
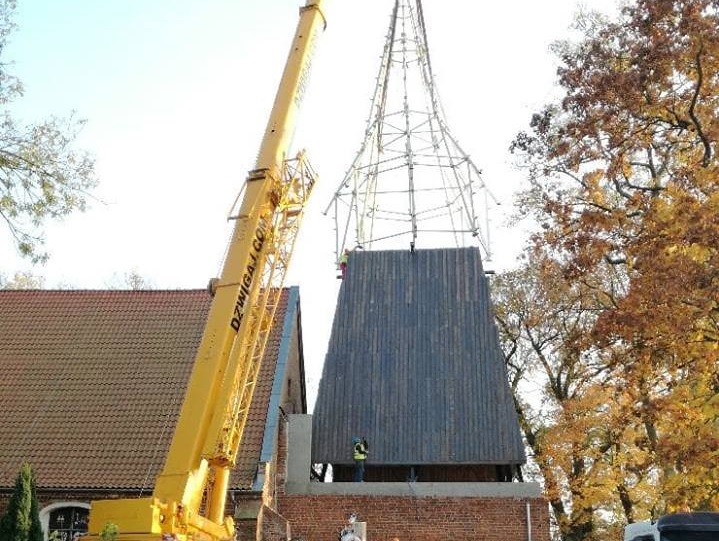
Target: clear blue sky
(176, 95)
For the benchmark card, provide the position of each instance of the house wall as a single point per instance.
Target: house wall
(407, 511)
(417, 519)
(51, 499)
(293, 395)
(46, 498)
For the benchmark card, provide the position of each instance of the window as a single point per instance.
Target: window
(65, 521)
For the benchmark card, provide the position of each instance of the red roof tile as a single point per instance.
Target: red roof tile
(93, 382)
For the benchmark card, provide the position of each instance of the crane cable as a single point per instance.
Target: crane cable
(165, 425)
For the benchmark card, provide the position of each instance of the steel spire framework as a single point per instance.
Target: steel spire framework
(410, 181)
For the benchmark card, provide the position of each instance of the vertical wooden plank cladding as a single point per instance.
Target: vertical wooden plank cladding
(414, 362)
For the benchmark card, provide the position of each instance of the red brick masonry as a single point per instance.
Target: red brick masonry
(319, 518)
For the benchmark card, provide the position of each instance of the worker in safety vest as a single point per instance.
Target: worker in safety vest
(360, 449)
(343, 262)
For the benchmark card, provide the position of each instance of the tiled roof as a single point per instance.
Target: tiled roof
(414, 365)
(93, 382)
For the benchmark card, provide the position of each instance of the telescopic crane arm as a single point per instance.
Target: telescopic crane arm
(219, 392)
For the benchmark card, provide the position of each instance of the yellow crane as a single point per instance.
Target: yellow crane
(188, 502)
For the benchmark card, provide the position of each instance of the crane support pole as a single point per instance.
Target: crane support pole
(295, 78)
(238, 287)
(217, 500)
(175, 508)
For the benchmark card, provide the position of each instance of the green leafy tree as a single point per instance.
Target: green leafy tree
(42, 175)
(21, 522)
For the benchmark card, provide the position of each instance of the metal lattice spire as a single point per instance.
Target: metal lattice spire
(410, 179)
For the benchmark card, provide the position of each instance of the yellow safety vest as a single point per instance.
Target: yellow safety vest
(360, 451)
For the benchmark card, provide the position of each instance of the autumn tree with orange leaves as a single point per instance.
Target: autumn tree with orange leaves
(624, 182)
(559, 388)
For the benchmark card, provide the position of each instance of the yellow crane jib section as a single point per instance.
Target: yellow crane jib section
(219, 393)
(298, 179)
(246, 357)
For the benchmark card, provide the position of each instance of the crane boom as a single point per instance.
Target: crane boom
(219, 392)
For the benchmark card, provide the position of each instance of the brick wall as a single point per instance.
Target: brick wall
(273, 527)
(281, 457)
(319, 518)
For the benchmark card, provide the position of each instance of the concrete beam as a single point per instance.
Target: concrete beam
(299, 453)
(420, 489)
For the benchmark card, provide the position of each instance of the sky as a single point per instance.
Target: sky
(176, 95)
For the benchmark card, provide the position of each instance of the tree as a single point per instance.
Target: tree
(42, 176)
(21, 521)
(544, 321)
(26, 280)
(131, 279)
(22, 280)
(623, 181)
